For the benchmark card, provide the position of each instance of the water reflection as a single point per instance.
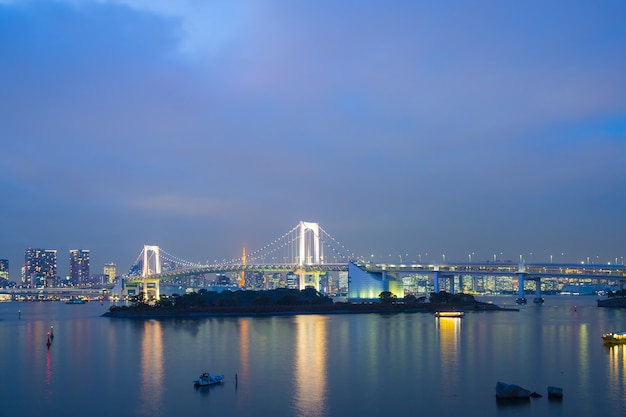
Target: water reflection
(449, 336)
(48, 375)
(244, 347)
(617, 370)
(151, 368)
(310, 365)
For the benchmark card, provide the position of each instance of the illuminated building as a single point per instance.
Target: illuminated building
(99, 279)
(366, 285)
(40, 267)
(4, 269)
(111, 271)
(79, 266)
(293, 280)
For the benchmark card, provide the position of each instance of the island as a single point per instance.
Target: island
(289, 301)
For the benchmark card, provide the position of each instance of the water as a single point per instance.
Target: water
(311, 365)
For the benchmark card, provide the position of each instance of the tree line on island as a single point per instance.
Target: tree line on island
(292, 300)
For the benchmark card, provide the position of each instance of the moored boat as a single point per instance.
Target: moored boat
(453, 314)
(614, 338)
(76, 301)
(207, 379)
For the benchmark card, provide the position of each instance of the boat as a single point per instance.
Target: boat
(76, 301)
(453, 314)
(614, 338)
(207, 379)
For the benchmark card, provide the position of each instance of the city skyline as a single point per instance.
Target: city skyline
(453, 130)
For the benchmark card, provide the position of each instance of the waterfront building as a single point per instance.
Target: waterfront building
(4, 269)
(40, 267)
(110, 271)
(366, 285)
(293, 280)
(79, 266)
(273, 281)
(99, 279)
(342, 279)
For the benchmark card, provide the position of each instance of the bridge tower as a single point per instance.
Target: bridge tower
(151, 266)
(242, 277)
(309, 254)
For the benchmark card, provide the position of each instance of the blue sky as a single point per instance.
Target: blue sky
(402, 127)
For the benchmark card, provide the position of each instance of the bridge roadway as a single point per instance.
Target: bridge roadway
(530, 270)
(524, 271)
(60, 292)
(229, 268)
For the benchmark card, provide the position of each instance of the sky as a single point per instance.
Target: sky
(443, 128)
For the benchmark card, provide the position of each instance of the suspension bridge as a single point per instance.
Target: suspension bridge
(306, 252)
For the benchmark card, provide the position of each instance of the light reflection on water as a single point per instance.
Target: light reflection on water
(152, 368)
(313, 365)
(617, 371)
(310, 359)
(449, 336)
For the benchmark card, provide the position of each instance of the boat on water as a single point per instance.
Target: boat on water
(614, 338)
(453, 314)
(76, 301)
(207, 379)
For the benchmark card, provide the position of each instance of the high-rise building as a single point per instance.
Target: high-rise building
(4, 269)
(79, 266)
(110, 270)
(40, 267)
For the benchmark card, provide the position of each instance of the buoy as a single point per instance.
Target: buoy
(19, 314)
(574, 308)
(48, 342)
(51, 332)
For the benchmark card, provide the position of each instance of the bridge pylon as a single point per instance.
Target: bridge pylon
(151, 266)
(309, 253)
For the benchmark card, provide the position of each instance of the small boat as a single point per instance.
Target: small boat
(207, 379)
(614, 338)
(76, 301)
(453, 314)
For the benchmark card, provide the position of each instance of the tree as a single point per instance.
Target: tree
(387, 297)
(410, 299)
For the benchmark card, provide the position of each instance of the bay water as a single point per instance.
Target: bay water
(311, 365)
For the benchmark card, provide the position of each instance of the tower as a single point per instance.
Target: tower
(40, 267)
(151, 266)
(151, 261)
(79, 266)
(4, 269)
(110, 270)
(309, 254)
(309, 244)
(242, 277)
